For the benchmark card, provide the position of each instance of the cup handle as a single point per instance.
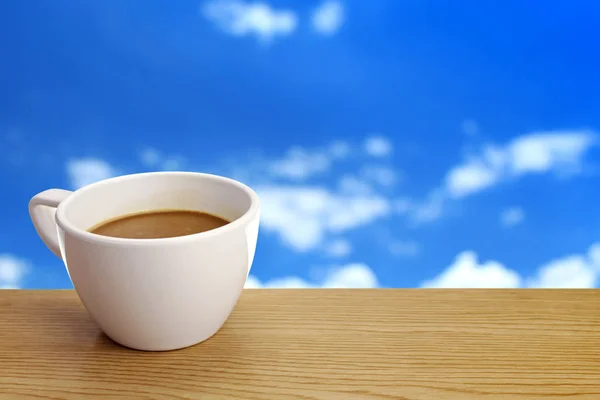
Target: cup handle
(42, 211)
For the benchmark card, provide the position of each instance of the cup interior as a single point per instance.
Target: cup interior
(130, 194)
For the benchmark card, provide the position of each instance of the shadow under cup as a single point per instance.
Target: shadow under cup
(159, 294)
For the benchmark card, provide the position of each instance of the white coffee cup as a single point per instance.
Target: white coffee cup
(153, 294)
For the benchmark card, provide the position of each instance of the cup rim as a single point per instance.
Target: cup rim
(82, 234)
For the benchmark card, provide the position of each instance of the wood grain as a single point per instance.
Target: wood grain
(320, 344)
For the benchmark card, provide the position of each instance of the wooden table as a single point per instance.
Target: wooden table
(320, 344)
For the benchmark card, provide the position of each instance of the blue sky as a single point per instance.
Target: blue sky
(393, 144)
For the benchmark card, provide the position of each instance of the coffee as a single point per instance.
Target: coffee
(159, 224)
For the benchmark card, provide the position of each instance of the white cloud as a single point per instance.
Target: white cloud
(594, 254)
(154, 159)
(352, 185)
(304, 215)
(406, 248)
(85, 171)
(574, 271)
(355, 275)
(241, 18)
(560, 152)
(328, 18)
(300, 205)
(252, 282)
(466, 272)
(339, 248)
(300, 164)
(378, 146)
(351, 276)
(512, 216)
(471, 177)
(430, 209)
(570, 272)
(288, 282)
(12, 271)
(382, 176)
(339, 149)
(150, 157)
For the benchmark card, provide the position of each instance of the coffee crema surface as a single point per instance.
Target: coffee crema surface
(159, 224)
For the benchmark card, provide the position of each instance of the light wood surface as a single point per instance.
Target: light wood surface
(320, 344)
